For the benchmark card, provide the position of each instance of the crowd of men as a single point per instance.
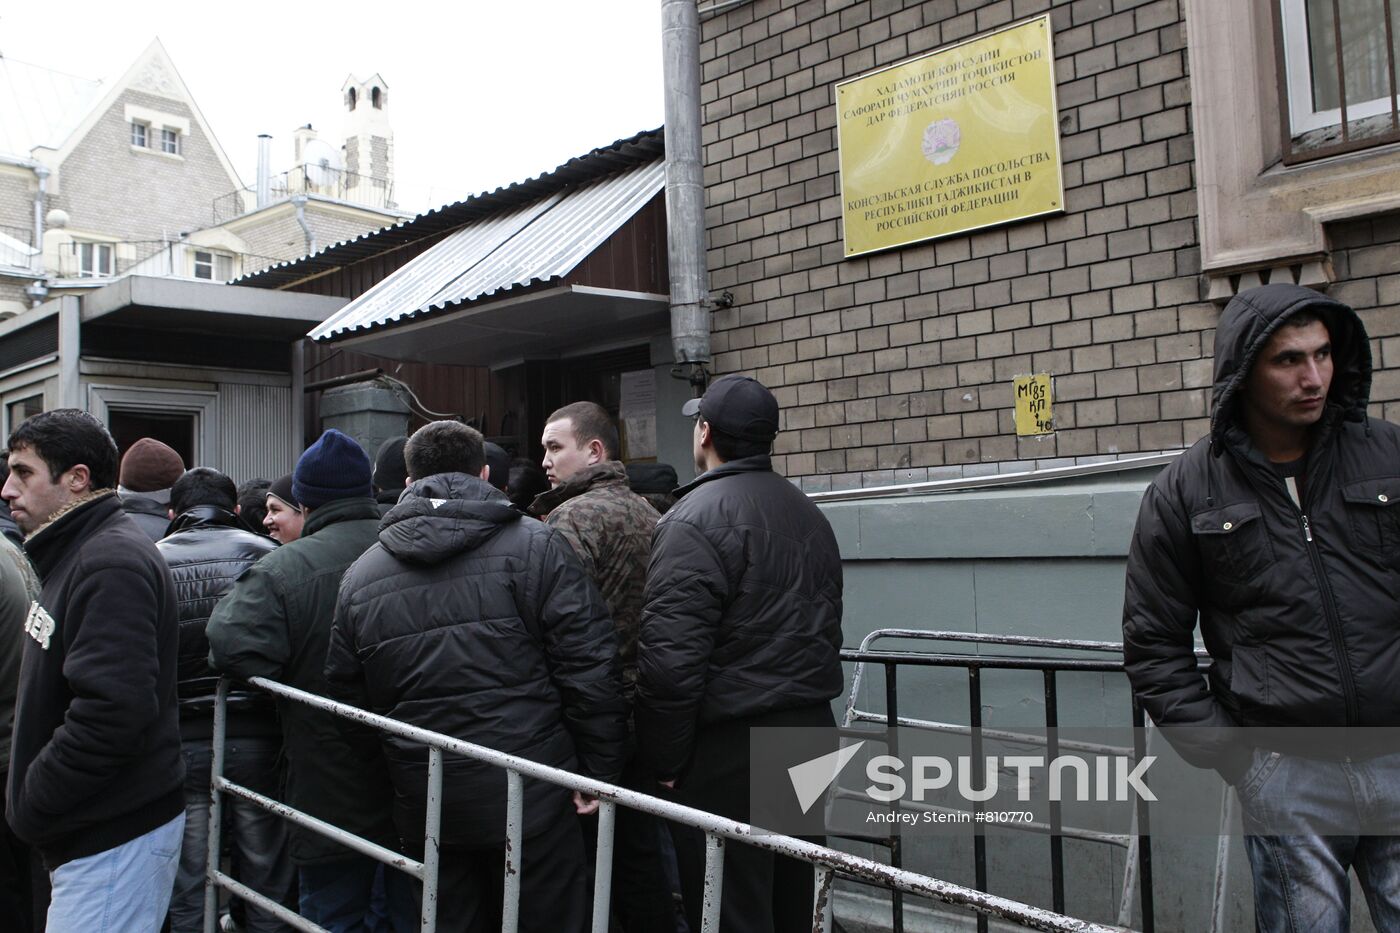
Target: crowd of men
(570, 622)
(554, 615)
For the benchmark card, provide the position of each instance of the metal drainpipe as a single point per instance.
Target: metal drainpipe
(39, 290)
(300, 201)
(685, 188)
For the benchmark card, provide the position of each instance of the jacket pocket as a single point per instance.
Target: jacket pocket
(1374, 517)
(1233, 541)
(1249, 678)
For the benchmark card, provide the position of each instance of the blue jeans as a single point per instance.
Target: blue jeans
(1300, 880)
(259, 838)
(340, 896)
(121, 890)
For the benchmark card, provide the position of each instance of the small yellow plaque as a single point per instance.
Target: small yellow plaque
(1034, 412)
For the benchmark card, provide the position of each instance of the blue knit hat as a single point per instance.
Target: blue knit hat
(335, 467)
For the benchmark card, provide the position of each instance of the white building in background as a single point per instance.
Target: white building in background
(101, 180)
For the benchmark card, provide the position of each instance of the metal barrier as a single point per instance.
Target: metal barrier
(827, 863)
(1137, 842)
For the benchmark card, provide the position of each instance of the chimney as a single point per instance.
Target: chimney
(264, 169)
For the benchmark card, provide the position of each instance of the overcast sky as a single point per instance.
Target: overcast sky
(481, 93)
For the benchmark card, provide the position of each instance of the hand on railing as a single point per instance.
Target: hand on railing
(585, 804)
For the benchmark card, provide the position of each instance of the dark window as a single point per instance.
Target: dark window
(177, 430)
(374, 98)
(350, 98)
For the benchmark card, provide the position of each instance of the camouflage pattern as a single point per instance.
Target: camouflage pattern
(609, 527)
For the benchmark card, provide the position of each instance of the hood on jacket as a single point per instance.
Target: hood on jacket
(1246, 325)
(443, 515)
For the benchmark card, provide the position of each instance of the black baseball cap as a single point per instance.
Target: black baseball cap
(739, 406)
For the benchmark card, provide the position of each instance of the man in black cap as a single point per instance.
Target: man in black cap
(741, 629)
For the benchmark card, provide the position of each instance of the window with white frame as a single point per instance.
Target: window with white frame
(140, 134)
(1325, 55)
(208, 264)
(94, 259)
(170, 141)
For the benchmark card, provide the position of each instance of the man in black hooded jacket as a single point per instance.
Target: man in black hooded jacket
(471, 620)
(1281, 531)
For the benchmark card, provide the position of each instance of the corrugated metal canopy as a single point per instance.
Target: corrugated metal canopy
(541, 241)
(621, 155)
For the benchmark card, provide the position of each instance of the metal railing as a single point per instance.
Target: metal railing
(309, 178)
(828, 864)
(111, 258)
(1137, 842)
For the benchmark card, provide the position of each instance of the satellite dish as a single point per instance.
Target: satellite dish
(324, 163)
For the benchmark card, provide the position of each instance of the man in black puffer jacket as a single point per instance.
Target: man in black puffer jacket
(470, 620)
(207, 549)
(741, 629)
(1281, 530)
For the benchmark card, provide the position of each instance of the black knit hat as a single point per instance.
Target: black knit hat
(390, 472)
(335, 467)
(282, 489)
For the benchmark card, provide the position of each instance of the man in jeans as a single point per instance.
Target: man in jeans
(207, 549)
(1281, 531)
(96, 779)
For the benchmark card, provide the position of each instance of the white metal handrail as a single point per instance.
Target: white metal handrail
(826, 862)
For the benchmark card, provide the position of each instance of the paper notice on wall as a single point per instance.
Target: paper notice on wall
(638, 414)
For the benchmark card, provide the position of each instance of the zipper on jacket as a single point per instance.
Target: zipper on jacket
(1259, 478)
(1334, 624)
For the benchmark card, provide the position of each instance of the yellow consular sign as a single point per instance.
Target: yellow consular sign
(963, 137)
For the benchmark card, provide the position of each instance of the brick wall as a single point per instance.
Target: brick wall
(17, 189)
(1366, 262)
(333, 227)
(897, 367)
(110, 188)
(12, 296)
(280, 237)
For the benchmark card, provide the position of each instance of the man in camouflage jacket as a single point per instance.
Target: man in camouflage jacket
(610, 527)
(607, 524)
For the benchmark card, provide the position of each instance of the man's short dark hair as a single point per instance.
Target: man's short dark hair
(445, 447)
(66, 437)
(203, 486)
(590, 421)
(527, 480)
(252, 502)
(729, 447)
